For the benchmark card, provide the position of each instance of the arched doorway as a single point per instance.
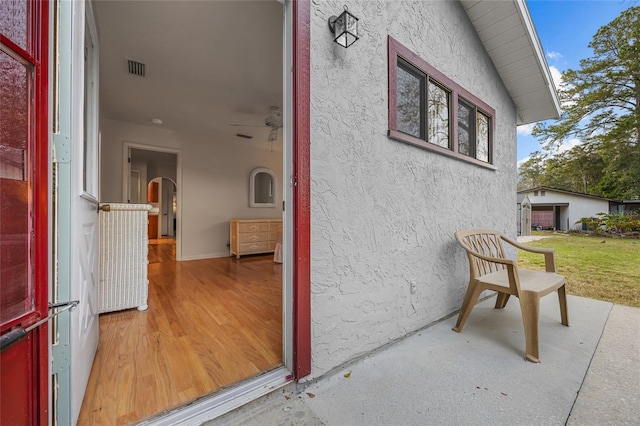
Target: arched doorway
(162, 194)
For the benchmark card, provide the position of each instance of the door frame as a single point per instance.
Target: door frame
(75, 339)
(297, 30)
(127, 146)
(297, 54)
(301, 102)
(41, 192)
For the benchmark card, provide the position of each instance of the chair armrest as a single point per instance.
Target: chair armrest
(549, 254)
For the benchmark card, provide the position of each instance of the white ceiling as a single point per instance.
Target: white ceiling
(214, 63)
(209, 64)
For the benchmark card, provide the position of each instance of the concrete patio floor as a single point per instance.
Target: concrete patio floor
(589, 375)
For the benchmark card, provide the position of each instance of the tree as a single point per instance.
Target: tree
(531, 171)
(580, 169)
(601, 106)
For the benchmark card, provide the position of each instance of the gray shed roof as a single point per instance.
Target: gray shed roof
(509, 36)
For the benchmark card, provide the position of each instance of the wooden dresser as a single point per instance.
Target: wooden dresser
(253, 236)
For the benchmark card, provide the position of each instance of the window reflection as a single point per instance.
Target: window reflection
(409, 93)
(438, 123)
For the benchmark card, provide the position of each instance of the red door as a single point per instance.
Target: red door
(543, 217)
(23, 210)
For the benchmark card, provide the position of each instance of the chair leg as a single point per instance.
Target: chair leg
(531, 317)
(562, 298)
(502, 300)
(470, 298)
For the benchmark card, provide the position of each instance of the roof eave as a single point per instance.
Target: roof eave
(523, 10)
(537, 101)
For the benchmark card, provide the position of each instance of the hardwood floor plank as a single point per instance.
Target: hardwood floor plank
(210, 323)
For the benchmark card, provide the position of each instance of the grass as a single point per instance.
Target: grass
(596, 267)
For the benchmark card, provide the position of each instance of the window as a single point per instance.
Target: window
(429, 110)
(542, 193)
(410, 101)
(473, 132)
(438, 115)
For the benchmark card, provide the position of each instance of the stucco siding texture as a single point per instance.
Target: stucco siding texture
(383, 213)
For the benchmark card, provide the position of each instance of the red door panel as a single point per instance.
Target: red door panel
(23, 210)
(16, 378)
(542, 217)
(15, 296)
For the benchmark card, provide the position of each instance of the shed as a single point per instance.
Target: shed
(553, 208)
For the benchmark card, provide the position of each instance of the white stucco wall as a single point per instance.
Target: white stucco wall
(215, 181)
(383, 213)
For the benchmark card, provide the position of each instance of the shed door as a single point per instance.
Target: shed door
(23, 211)
(543, 217)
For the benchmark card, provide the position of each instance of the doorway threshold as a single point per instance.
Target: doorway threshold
(212, 406)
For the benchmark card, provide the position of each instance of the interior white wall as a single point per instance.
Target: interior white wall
(383, 213)
(155, 170)
(215, 181)
(141, 166)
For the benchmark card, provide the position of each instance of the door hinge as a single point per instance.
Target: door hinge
(61, 148)
(61, 351)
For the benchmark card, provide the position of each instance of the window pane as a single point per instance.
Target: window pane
(438, 123)
(482, 135)
(16, 295)
(464, 132)
(410, 102)
(13, 21)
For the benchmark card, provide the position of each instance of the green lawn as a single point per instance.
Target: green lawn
(595, 267)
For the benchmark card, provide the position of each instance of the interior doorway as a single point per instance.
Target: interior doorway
(167, 206)
(211, 188)
(153, 179)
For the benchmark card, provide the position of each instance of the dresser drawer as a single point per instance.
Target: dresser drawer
(275, 236)
(254, 227)
(250, 237)
(275, 226)
(254, 236)
(257, 247)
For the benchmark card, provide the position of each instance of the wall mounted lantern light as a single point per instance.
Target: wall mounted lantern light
(345, 28)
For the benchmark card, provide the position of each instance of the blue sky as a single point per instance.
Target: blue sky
(565, 29)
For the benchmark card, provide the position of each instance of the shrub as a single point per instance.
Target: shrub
(616, 223)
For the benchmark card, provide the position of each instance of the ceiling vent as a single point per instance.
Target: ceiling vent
(137, 68)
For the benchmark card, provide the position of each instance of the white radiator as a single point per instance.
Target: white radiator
(123, 257)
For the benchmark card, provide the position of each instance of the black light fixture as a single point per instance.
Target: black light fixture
(345, 28)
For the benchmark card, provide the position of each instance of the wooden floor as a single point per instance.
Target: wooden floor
(210, 323)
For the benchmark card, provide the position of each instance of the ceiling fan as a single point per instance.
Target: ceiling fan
(273, 120)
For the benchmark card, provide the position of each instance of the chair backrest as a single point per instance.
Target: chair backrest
(487, 242)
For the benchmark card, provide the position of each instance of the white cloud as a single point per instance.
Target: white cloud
(554, 55)
(522, 161)
(567, 145)
(525, 129)
(556, 75)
